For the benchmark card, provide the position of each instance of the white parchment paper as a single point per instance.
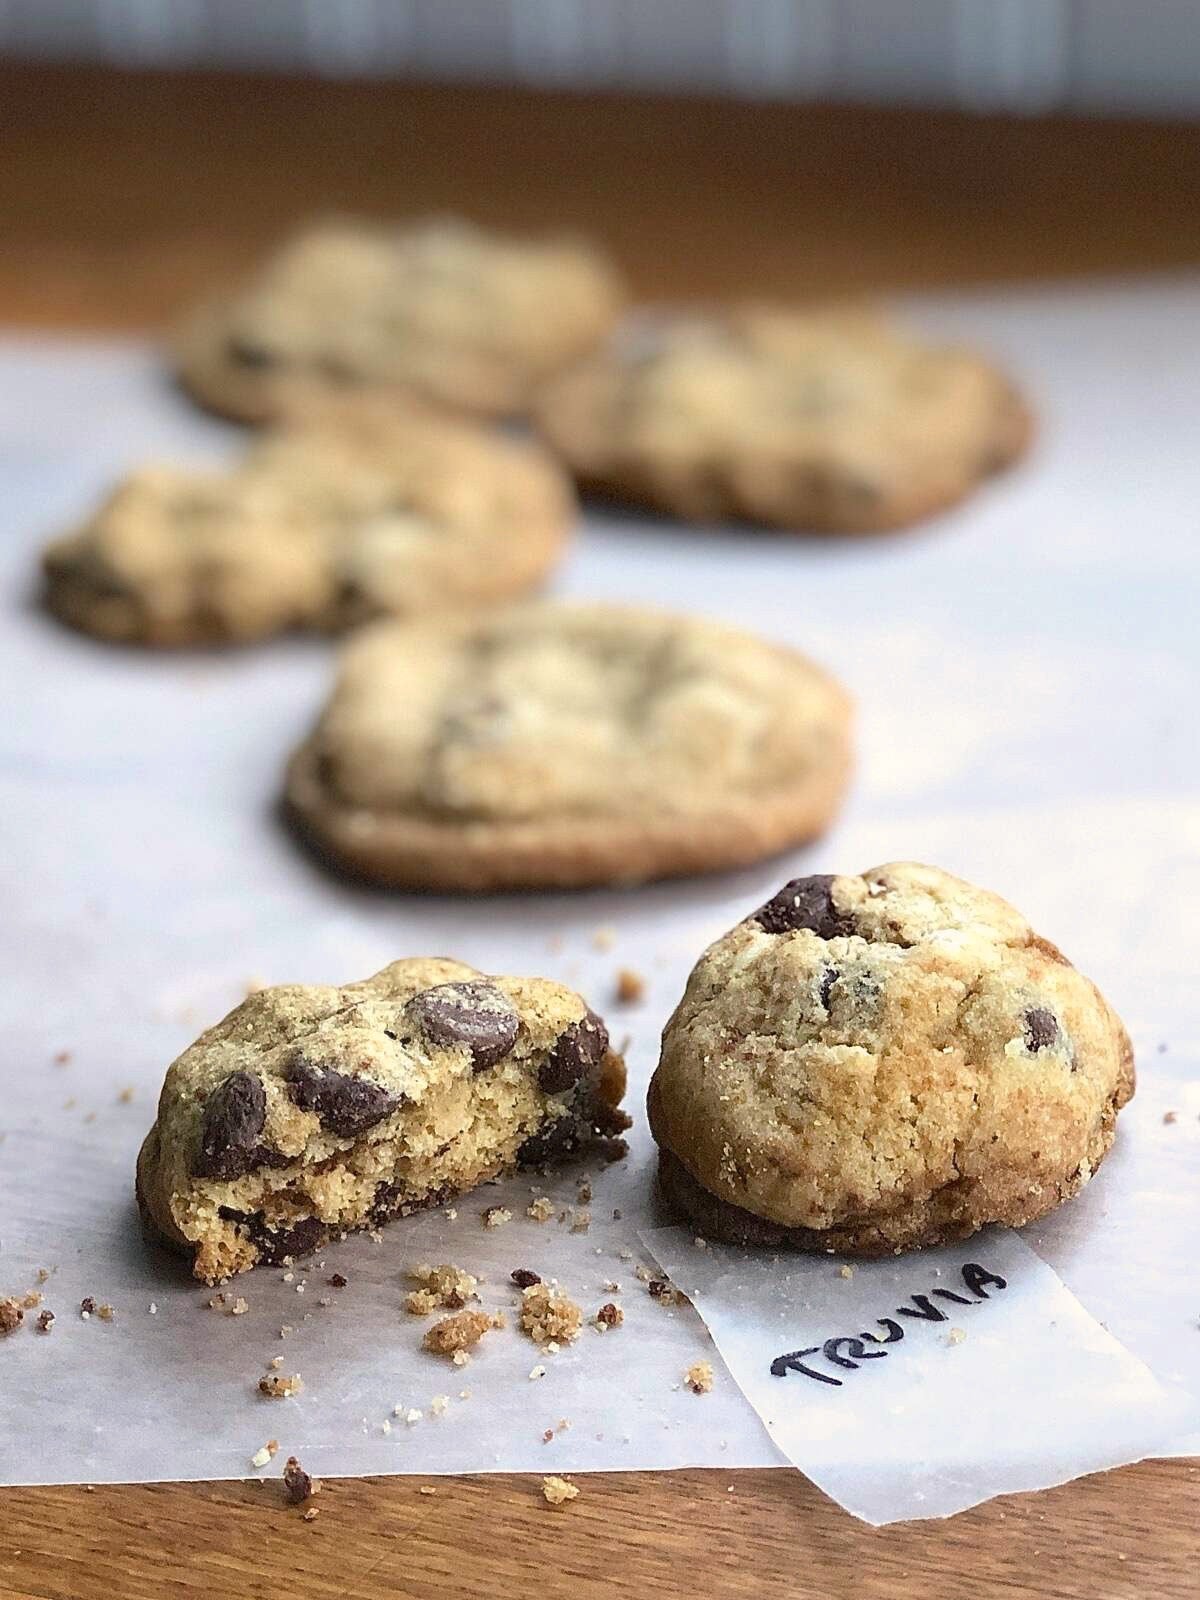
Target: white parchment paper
(1026, 671)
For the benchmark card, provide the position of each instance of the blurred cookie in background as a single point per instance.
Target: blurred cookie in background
(561, 745)
(828, 421)
(357, 512)
(438, 308)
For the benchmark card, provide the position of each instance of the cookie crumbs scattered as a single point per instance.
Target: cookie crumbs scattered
(541, 1209)
(581, 1219)
(62, 1058)
(496, 1216)
(265, 1453)
(45, 1321)
(325, 1300)
(426, 1488)
(444, 1285)
(298, 1485)
(548, 1317)
(609, 1316)
(701, 1244)
(310, 1515)
(412, 1416)
(32, 1300)
(275, 1363)
(461, 1358)
(548, 1436)
(11, 1316)
(845, 1271)
(1169, 1117)
(699, 1377)
(631, 987)
(458, 1332)
(665, 1292)
(558, 1491)
(337, 1281)
(956, 1335)
(439, 1404)
(126, 1095)
(523, 1278)
(43, 1274)
(604, 938)
(536, 1372)
(280, 1388)
(86, 1306)
(285, 1330)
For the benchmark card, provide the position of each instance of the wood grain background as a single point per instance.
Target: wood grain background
(123, 197)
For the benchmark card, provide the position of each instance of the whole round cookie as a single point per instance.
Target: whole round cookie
(311, 1110)
(558, 744)
(872, 1064)
(436, 308)
(356, 512)
(823, 421)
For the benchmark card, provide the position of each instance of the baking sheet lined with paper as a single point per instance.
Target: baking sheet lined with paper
(1026, 675)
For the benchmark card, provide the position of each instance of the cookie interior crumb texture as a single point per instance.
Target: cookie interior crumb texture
(568, 744)
(826, 421)
(352, 513)
(435, 308)
(558, 1491)
(548, 1316)
(309, 1111)
(872, 1064)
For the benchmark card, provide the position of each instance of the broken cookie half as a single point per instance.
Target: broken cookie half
(310, 1111)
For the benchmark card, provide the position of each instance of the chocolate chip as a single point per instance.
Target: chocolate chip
(825, 988)
(805, 903)
(274, 1241)
(1041, 1029)
(337, 1281)
(391, 1200)
(250, 354)
(658, 1287)
(234, 1114)
(552, 1142)
(297, 1484)
(523, 1278)
(473, 1013)
(578, 1050)
(346, 1105)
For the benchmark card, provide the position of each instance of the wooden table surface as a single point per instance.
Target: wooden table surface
(123, 197)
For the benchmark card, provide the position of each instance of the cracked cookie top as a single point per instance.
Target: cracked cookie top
(355, 512)
(438, 308)
(861, 1045)
(825, 420)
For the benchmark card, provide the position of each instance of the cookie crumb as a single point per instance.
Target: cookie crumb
(558, 1491)
(86, 1306)
(548, 1317)
(581, 1220)
(426, 1488)
(298, 1486)
(461, 1358)
(665, 1292)
(956, 1335)
(45, 1321)
(43, 1274)
(126, 1095)
(264, 1453)
(541, 1209)
(442, 1286)
(439, 1404)
(280, 1388)
(536, 1372)
(631, 987)
(609, 1316)
(496, 1216)
(412, 1416)
(845, 1271)
(699, 1377)
(1169, 1117)
(523, 1278)
(310, 1515)
(62, 1058)
(337, 1281)
(458, 1332)
(11, 1316)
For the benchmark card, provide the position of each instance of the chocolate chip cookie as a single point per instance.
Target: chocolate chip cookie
(356, 512)
(437, 308)
(830, 422)
(559, 744)
(310, 1111)
(871, 1064)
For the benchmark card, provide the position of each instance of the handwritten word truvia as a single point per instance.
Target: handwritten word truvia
(847, 1350)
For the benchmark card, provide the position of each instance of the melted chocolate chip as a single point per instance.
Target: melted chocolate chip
(1041, 1029)
(346, 1106)
(578, 1050)
(234, 1115)
(475, 1014)
(524, 1278)
(552, 1142)
(805, 903)
(275, 1241)
(390, 1201)
(828, 978)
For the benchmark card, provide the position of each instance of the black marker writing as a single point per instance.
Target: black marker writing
(847, 1350)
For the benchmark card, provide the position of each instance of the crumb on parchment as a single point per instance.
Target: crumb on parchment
(558, 1491)
(298, 1485)
(441, 1286)
(277, 1386)
(549, 1317)
(609, 1316)
(461, 1331)
(631, 987)
(541, 1209)
(11, 1315)
(496, 1216)
(699, 1377)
